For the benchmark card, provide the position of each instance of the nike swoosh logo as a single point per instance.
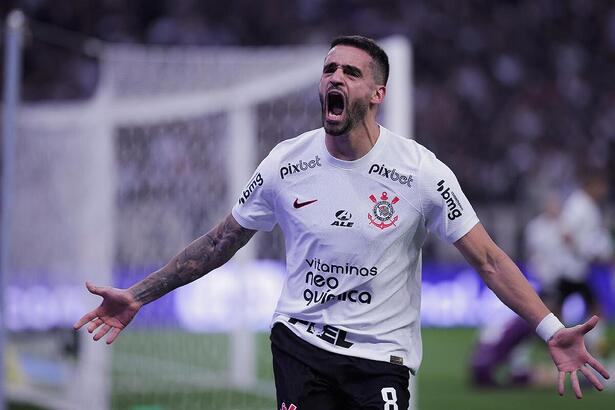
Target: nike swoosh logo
(298, 204)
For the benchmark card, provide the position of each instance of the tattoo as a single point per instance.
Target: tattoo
(202, 256)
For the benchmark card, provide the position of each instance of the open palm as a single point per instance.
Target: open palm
(115, 312)
(569, 354)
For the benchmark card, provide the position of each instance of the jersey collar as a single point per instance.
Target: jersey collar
(367, 158)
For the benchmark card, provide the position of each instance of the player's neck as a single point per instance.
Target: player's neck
(356, 144)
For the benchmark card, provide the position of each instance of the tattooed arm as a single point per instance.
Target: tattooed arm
(205, 254)
(119, 306)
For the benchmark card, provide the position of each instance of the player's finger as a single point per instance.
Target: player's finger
(598, 367)
(590, 324)
(114, 333)
(589, 375)
(85, 319)
(94, 325)
(576, 387)
(103, 331)
(561, 378)
(96, 290)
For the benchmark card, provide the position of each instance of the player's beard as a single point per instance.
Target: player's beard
(355, 114)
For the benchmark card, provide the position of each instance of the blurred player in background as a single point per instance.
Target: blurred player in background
(545, 242)
(588, 241)
(501, 345)
(355, 203)
(562, 243)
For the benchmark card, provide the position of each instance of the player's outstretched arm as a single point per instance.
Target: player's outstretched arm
(119, 306)
(205, 254)
(505, 279)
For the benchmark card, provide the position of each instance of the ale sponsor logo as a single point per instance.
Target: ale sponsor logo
(300, 166)
(254, 183)
(342, 219)
(383, 215)
(452, 202)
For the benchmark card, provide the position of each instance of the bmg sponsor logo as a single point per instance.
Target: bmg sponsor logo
(391, 174)
(452, 203)
(299, 167)
(254, 183)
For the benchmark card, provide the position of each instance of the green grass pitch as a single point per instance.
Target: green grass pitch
(443, 382)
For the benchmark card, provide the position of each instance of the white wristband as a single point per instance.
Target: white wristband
(548, 326)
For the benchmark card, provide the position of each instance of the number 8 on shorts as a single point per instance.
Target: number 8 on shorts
(389, 395)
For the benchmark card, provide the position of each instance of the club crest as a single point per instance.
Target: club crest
(383, 213)
(292, 407)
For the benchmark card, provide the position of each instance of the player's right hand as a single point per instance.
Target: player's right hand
(113, 315)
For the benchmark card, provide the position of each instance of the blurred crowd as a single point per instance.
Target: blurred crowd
(506, 92)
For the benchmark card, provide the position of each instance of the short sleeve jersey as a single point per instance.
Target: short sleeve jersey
(353, 232)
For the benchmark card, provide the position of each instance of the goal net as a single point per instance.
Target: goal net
(109, 189)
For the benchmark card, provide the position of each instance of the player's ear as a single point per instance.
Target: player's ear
(378, 96)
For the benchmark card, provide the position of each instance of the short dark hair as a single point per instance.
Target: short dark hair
(368, 45)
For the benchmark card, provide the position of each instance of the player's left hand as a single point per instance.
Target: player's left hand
(568, 351)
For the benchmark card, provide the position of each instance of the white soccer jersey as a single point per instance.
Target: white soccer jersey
(353, 232)
(583, 223)
(544, 239)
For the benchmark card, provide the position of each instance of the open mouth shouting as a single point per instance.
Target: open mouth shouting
(335, 106)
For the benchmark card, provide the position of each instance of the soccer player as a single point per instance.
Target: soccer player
(501, 349)
(589, 241)
(355, 203)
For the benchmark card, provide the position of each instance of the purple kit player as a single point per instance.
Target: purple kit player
(355, 203)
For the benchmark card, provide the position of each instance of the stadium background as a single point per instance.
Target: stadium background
(513, 95)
